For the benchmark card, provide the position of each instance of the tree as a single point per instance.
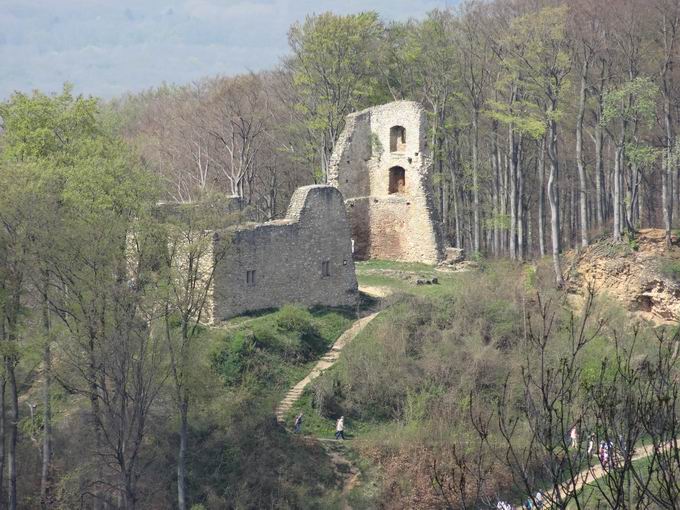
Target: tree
(72, 192)
(194, 247)
(238, 115)
(334, 66)
(40, 132)
(626, 106)
(476, 58)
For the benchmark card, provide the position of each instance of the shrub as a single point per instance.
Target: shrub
(294, 319)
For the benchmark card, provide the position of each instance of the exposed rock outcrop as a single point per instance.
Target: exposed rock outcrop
(641, 274)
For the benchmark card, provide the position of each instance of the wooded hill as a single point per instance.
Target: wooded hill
(550, 120)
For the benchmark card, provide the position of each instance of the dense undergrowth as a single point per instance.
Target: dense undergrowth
(246, 460)
(438, 361)
(239, 457)
(414, 382)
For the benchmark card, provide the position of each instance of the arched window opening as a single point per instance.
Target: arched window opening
(397, 180)
(397, 139)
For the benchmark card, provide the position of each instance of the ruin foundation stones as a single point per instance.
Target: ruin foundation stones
(382, 166)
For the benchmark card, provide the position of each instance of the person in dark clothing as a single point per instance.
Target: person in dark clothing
(298, 423)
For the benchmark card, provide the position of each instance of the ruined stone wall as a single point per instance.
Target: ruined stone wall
(287, 258)
(394, 226)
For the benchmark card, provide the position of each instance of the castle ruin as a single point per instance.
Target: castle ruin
(378, 205)
(382, 166)
(305, 258)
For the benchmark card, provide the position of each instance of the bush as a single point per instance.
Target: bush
(294, 319)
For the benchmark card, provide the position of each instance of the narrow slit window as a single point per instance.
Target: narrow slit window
(325, 268)
(250, 277)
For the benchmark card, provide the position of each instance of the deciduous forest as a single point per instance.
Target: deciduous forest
(552, 126)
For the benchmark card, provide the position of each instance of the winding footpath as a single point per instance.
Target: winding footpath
(594, 472)
(324, 363)
(333, 448)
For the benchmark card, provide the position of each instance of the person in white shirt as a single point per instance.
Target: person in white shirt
(340, 428)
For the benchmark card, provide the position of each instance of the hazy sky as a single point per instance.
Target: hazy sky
(107, 47)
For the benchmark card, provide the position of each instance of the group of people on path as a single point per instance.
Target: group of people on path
(606, 450)
(339, 426)
(530, 503)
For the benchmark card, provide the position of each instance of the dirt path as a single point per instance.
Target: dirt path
(333, 448)
(375, 291)
(594, 472)
(327, 361)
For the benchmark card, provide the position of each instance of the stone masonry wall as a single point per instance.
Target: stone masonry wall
(393, 226)
(286, 256)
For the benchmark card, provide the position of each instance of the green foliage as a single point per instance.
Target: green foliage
(294, 318)
(633, 243)
(39, 127)
(594, 366)
(635, 99)
(536, 61)
(410, 358)
(643, 156)
(334, 67)
(270, 350)
(524, 116)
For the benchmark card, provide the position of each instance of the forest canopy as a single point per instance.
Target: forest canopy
(552, 123)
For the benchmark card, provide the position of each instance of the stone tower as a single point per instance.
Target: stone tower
(382, 166)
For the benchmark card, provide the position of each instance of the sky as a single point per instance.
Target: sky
(109, 47)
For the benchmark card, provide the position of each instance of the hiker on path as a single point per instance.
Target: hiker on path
(528, 504)
(605, 452)
(340, 428)
(538, 498)
(591, 444)
(574, 437)
(298, 423)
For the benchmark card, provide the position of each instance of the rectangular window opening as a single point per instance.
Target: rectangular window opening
(250, 277)
(325, 268)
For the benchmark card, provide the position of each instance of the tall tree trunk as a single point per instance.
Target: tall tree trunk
(599, 175)
(495, 240)
(617, 193)
(553, 199)
(97, 502)
(12, 307)
(505, 169)
(3, 388)
(13, 433)
(583, 205)
(573, 220)
(495, 165)
(3, 384)
(541, 198)
(530, 233)
(521, 218)
(181, 459)
(512, 147)
(46, 472)
(475, 178)
(440, 172)
(667, 171)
